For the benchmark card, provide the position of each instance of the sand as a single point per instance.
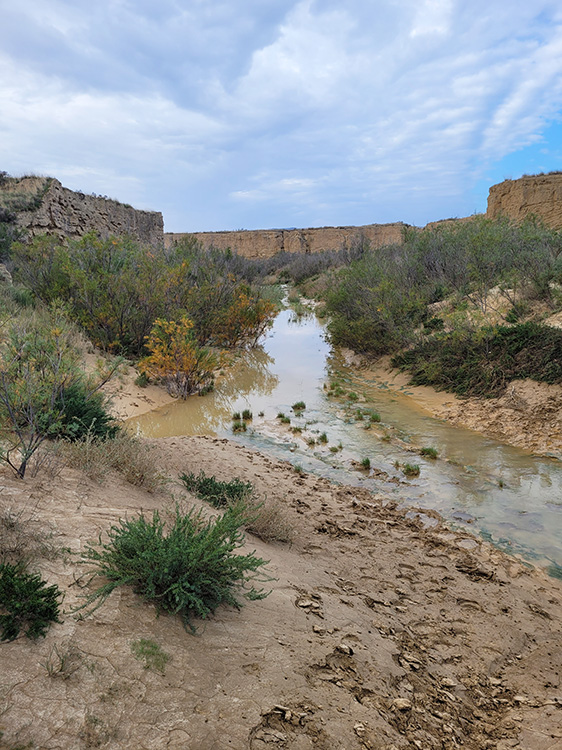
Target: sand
(378, 633)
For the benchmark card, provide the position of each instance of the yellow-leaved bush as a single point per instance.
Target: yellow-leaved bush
(176, 359)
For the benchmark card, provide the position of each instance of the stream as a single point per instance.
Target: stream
(507, 496)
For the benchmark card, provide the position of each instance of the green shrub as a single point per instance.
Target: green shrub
(236, 416)
(27, 603)
(247, 415)
(189, 569)
(411, 470)
(142, 380)
(238, 426)
(482, 363)
(82, 413)
(429, 453)
(43, 393)
(323, 438)
(219, 494)
(366, 464)
(266, 520)
(298, 406)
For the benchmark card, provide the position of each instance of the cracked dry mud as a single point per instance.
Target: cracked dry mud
(377, 634)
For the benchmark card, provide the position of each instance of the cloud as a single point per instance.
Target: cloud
(280, 113)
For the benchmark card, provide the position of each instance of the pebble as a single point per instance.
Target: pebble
(401, 704)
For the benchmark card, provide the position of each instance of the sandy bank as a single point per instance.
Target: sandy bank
(528, 415)
(377, 633)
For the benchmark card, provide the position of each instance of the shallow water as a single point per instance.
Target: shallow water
(508, 496)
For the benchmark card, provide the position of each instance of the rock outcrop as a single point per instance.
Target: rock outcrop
(41, 204)
(263, 243)
(540, 195)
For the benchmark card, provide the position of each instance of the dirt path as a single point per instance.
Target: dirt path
(377, 634)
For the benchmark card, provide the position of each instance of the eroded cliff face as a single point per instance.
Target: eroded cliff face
(540, 195)
(43, 205)
(263, 243)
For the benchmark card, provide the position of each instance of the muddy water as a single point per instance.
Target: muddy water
(500, 492)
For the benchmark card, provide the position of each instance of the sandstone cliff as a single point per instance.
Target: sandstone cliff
(539, 194)
(41, 204)
(263, 243)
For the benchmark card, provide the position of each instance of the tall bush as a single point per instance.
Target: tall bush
(177, 359)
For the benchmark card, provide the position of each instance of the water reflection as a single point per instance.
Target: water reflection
(511, 497)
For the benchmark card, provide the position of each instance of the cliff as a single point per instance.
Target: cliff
(540, 195)
(41, 204)
(263, 243)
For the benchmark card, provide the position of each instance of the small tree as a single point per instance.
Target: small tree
(43, 393)
(177, 359)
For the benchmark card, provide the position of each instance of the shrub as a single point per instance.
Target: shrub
(366, 464)
(247, 415)
(219, 494)
(82, 413)
(43, 393)
(238, 426)
(299, 406)
(236, 416)
(142, 380)
(429, 453)
(188, 570)
(28, 604)
(267, 522)
(177, 359)
(124, 453)
(481, 363)
(323, 438)
(411, 470)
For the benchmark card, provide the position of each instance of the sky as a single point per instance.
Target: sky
(282, 113)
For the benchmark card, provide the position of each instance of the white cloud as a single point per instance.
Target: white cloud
(278, 113)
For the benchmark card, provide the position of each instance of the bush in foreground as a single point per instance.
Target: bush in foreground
(27, 603)
(188, 569)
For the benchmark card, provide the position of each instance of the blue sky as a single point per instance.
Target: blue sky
(281, 113)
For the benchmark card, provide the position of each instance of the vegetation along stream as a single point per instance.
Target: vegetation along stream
(355, 430)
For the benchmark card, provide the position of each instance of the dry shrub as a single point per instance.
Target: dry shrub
(124, 453)
(270, 523)
(24, 538)
(265, 519)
